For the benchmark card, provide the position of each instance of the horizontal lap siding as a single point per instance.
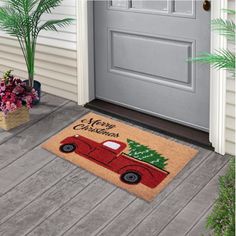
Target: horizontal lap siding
(56, 57)
(230, 105)
(230, 117)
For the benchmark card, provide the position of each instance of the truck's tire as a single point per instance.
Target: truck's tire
(67, 148)
(130, 177)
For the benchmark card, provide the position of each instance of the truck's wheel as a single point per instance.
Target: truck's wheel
(130, 177)
(67, 148)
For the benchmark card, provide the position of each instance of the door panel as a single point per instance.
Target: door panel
(140, 57)
(141, 53)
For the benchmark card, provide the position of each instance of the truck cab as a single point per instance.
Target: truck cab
(107, 151)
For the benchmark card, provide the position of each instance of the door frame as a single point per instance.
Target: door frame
(85, 69)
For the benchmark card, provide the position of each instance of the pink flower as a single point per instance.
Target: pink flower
(11, 97)
(8, 105)
(2, 86)
(13, 107)
(28, 99)
(18, 89)
(19, 104)
(17, 80)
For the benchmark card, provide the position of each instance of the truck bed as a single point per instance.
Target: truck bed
(144, 162)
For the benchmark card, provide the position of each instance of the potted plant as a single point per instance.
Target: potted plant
(23, 20)
(16, 98)
(221, 58)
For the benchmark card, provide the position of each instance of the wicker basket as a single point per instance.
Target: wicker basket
(14, 119)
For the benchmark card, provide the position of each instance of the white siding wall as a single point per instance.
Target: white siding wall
(56, 57)
(230, 106)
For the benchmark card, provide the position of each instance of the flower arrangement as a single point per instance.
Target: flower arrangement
(14, 94)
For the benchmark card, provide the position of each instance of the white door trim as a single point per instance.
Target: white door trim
(217, 78)
(218, 85)
(82, 52)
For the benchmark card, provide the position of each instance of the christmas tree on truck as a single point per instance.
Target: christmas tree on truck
(144, 153)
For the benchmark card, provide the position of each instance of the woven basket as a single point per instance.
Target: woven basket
(14, 119)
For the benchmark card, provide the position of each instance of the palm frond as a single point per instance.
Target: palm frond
(48, 5)
(14, 4)
(225, 28)
(11, 21)
(221, 59)
(229, 11)
(55, 24)
(22, 6)
(45, 6)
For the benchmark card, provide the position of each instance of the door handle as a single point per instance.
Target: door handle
(206, 5)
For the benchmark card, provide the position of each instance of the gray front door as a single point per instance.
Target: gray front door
(141, 52)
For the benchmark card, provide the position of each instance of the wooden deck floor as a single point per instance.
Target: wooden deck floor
(41, 194)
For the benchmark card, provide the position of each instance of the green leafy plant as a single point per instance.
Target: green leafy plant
(222, 218)
(222, 58)
(23, 20)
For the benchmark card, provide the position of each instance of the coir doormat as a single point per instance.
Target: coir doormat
(133, 159)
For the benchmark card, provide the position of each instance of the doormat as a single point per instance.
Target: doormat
(138, 161)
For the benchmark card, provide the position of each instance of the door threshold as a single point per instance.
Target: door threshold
(185, 133)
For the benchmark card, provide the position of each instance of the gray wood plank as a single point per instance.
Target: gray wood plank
(44, 195)
(189, 215)
(138, 210)
(74, 210)
(169, 208)
(102, 214)
(46, 204)
(34, 186)
(200, 228)
(37, 133)
(22, 168)
(49, 103)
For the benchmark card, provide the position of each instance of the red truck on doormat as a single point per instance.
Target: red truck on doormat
(109, 155)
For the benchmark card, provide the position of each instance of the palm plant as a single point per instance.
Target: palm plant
(222, 58)
(23, 20)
